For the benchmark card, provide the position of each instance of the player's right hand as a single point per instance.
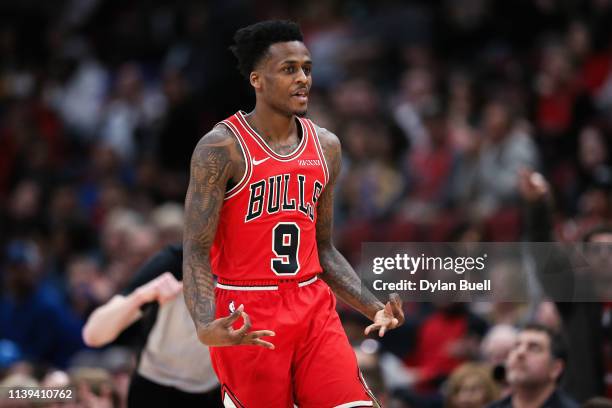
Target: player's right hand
(220, 332)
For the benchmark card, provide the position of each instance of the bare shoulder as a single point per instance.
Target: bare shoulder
(220, 146)
(331, 149)
(219, 136)
(329, 141)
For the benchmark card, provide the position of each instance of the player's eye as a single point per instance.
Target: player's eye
(307, 70)
(289, 69)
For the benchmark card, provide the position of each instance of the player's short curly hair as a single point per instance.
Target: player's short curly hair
(251, 43)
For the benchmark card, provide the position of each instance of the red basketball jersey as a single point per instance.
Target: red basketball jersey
(267, 224)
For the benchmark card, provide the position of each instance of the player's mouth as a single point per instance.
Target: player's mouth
(301, 95)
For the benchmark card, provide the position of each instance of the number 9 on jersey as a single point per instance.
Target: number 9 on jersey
(286, 246)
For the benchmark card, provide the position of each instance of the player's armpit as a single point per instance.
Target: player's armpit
(211, 169)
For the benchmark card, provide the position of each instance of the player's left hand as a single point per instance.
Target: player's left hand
(390, 317)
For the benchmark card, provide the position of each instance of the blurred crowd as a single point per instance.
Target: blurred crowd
(441, 107)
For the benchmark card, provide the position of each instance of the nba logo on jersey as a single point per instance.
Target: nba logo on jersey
(232, 307)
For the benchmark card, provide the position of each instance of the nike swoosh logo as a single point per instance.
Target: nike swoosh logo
(256, 162)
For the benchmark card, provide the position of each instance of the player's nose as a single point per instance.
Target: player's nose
(301, 77)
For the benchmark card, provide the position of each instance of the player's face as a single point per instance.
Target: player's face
(284, 77)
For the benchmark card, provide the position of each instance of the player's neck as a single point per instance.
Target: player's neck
(271, 125)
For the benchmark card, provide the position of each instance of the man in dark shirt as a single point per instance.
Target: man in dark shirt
(173, 368)
(533, 369)
(586, 324)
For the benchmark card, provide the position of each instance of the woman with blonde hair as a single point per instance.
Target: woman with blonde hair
(471, 385)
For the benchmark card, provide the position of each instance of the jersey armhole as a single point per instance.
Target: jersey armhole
(320, 152)
(248, 170)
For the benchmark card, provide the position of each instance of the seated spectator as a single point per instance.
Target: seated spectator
(506, 146)
(471, 386)
(533, 369)
(495, 347)
(498, 343)
(31, 315)
(94, 387)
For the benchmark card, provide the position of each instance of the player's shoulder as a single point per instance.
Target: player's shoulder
(329, 140)
(331, 150)
(220, 140)
(219, 135)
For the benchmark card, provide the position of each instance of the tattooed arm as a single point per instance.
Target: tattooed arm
(337, 272)
(215, 162)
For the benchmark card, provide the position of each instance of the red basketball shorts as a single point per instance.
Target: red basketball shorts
(313, 364)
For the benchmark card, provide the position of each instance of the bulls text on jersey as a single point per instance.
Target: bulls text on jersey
(273, 195)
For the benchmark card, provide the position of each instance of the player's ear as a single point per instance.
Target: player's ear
(255, 80)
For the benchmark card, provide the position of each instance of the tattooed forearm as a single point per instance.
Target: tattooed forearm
(211, 168)
(337, 272)
(345, 283)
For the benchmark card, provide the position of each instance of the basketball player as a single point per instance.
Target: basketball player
(259, 217)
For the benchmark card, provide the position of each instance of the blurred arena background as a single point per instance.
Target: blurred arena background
(443, 109)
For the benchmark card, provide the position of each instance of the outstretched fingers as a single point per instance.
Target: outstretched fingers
(387, 318)
(371, 327)
(392, 322)
(255, 338)
(244, 336)
(263, 344)
(381, 327)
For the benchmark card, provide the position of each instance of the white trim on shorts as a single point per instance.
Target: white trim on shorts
(269, 287)
(355, 404)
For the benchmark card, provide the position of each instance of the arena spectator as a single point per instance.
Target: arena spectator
(471, 386)
(533, 369)
(31, 313)
(585, 323)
